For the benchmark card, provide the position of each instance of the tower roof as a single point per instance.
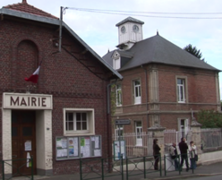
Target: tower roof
(129, 19)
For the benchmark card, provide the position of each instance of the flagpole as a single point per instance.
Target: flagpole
(60, 29)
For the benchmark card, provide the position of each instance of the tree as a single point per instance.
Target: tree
(209, 119)
(193, 50)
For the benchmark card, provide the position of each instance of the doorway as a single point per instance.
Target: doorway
(183, 128)
(23, 142)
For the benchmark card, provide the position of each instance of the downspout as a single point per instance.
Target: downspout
(109, 134)
(147, 105)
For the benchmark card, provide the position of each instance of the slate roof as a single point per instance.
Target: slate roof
(129, 19)
(156, 49)
(25, 7)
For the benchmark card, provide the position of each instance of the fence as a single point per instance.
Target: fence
(211, 138)
(173, 136)
(17, 166)
(121, 169)
(136, 144)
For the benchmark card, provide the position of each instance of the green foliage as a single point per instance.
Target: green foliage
(210, 119)
(193, 50)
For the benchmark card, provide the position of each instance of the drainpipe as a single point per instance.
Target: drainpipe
(147, 105)
(109, 134)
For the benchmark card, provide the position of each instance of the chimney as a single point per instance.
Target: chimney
(24, 2)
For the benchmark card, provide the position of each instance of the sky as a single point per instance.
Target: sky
(99, 30)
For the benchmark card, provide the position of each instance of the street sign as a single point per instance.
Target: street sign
(122, 122)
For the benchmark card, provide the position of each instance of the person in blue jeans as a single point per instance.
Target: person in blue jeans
(174, 156)
(192, 152)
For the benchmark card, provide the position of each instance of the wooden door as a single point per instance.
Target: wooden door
(23, 142)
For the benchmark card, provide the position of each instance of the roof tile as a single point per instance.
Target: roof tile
(25, 7)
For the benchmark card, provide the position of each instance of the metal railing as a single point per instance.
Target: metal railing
(142, 166)
(211, 138)
(136, 144)
(99, 169)
(172, 165)
(17, 170)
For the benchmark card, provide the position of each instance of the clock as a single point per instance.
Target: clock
(123, 29)
(135, 28)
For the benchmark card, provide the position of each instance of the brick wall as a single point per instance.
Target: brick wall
(23, 46)
(200, 88)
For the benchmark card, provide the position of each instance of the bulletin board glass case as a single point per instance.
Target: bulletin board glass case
(78, 147)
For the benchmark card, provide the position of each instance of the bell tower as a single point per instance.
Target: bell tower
(129, 32)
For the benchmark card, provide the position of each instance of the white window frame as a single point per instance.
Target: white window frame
(118, 95)
(116, 63)
(181, 90)
(183, 127)
(138, 132)
(119, 128)
(90, 122)
(137, 92)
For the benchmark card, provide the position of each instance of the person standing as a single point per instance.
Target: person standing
(156, 153)
(174, 155)
(193, 152)
(183, 152)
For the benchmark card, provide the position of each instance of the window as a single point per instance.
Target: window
(138, 130)
(118, 95)
(78, 121)
(119, 132)
(181, 90)
(116, 63)
(137, 92)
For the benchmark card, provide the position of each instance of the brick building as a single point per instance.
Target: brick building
(162, 83)
(63, 117)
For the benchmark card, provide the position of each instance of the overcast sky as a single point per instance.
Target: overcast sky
(100, 33)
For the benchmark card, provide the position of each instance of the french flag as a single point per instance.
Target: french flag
(34, 77)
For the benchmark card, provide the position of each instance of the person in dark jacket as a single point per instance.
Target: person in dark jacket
(156, 153)
(183, 152)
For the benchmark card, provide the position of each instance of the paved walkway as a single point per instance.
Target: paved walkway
(203, 170)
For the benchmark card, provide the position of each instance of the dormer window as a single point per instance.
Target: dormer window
(116, 63)
(116, 60)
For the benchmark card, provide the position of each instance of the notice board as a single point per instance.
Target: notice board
(78, 147)
(119, 146)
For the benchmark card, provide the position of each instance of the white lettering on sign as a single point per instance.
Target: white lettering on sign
(27, 101)
(122, 122)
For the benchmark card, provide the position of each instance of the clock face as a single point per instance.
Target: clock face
(135, 28)
(123, 29)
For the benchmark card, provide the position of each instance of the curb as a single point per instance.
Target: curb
(183, 176)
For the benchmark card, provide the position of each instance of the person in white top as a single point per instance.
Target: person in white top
(174, 155)
(192, 153)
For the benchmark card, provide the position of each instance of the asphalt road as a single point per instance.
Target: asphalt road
(219, 177)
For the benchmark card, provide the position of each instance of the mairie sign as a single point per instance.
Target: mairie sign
(122, 121)
(27, 101)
